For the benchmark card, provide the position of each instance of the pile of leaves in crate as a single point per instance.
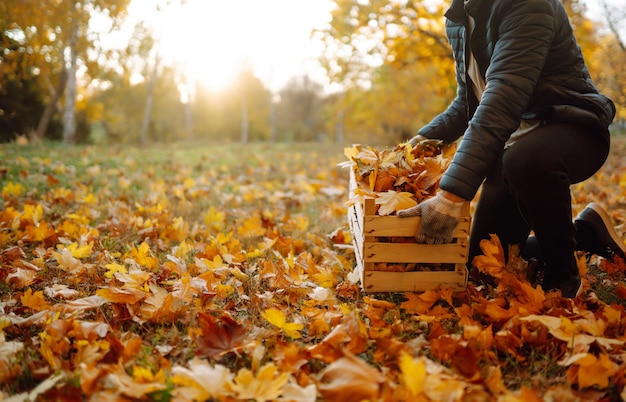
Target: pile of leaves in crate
(398, 177)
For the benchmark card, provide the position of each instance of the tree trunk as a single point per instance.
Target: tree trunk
(273, 131)
(188, 121)
(69, 114)
(339, 128)
(143, 136)
(42, 126)
(244, 120)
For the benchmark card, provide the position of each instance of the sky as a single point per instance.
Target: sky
(214, 38)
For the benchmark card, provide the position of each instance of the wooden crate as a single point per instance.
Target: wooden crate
(370, 234)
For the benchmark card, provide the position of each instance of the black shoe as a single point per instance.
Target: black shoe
(570, 288)
(595, 233)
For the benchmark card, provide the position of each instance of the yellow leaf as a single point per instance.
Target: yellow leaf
(142, 256)
(413, 373)
(183, 249)
(214, 220)
(90, 199)
(12, 189)
(79, 251)
(34, 300)
(33, 213)
(277, 318)
(113, 268)
(251, 227)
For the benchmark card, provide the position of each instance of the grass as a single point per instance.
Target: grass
(122, 197)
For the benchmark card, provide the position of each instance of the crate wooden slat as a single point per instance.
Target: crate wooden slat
(371, 236)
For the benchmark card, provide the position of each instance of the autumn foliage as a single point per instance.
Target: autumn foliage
(222, 273)
(399, 177)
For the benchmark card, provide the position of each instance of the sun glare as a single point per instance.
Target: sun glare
(212, 40)
(204, 41)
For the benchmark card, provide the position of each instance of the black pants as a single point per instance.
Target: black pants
(529, 189)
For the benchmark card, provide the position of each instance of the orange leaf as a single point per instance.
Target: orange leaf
(492, 261)
(588, 370)
(350, 379)
(351, 336)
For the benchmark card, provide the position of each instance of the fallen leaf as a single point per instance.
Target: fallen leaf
(218, 335)
(350, 379)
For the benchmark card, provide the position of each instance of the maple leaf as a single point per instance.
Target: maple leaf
(34, 300)
(134, 279)
(420, 303)
(267, 385)
(492, 261)
(142, 256)
(588, 370)
(112, 268)
(350, 379)
(214, 219)
(39, 232)
(349, 336)
(218, 335)
(33, 213)
(67, 262)
(11, 189)
(434, 169)
(77, 251)
(278, 319)
(161, 306)
(201, 381)
(392, 201)
(565, 330)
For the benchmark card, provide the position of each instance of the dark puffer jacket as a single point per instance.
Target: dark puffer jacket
(533, 69)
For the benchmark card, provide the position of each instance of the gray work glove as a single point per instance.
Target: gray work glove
(439, 218)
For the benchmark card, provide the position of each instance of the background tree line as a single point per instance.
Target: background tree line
(59, 80)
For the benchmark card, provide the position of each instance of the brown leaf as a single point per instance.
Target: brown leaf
(219, 335)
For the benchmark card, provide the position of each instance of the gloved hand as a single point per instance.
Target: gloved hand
(439, 218)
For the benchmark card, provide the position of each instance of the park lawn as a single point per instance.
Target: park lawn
(224, 272)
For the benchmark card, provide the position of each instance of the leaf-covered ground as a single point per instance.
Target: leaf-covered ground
(225, 273)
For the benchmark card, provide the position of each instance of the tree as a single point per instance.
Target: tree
(384, 54)
(299, 109)
(614, 51)
(59, 33)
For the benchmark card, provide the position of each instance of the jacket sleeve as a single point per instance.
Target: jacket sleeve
(449, 125)
(525, 34)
